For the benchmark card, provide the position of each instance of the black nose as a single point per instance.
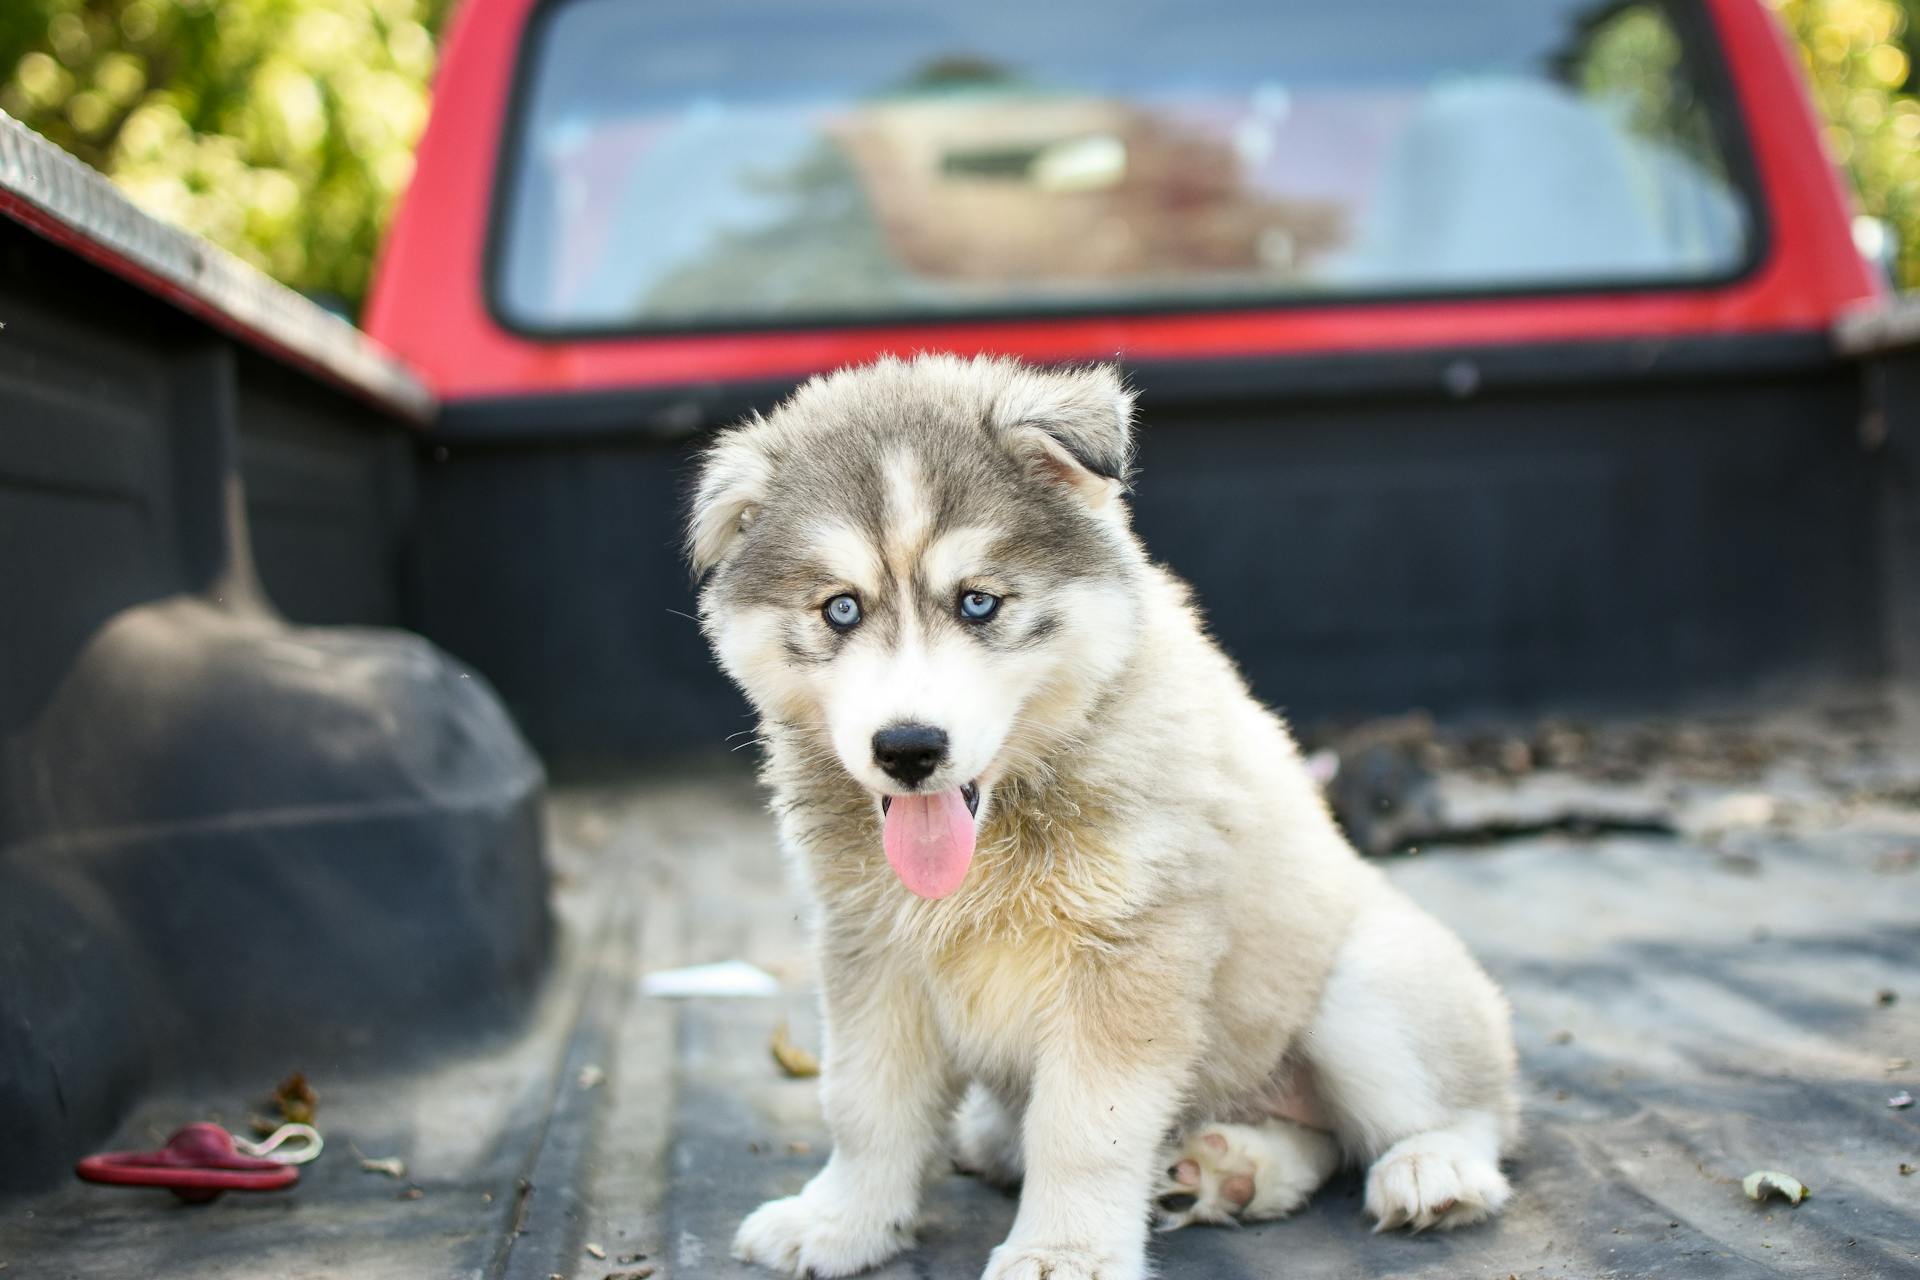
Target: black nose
(909, 752)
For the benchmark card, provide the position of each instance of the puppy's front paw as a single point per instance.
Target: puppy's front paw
(802, 1236)
(1023, 1262)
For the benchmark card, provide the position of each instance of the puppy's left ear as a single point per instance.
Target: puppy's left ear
(1076, 425)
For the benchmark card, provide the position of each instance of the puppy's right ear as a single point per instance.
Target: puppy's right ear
(727, 494)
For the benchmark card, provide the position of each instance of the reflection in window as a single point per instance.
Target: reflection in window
(685, 165)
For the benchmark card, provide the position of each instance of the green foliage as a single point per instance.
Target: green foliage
(1631, 59)
(1860, 54)
(1631, 56)
(282, 129)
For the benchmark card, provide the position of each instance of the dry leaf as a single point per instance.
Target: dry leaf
(794, 1061)
(296, 1099)
(1765, 1182)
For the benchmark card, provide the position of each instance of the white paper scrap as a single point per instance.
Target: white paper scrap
(727, 978)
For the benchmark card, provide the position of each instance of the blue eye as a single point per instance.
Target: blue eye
(842, 613)
(978, 606)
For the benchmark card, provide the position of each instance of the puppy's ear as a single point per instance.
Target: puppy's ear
(727, 493)
(1076, 425)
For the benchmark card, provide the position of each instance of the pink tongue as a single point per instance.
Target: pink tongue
(929, 841)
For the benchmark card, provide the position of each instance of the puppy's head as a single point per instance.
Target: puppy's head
(925, 566)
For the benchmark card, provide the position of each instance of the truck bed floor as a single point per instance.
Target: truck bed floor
(1688, 1011)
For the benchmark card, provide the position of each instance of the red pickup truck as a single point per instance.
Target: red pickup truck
(1501, 358)
(1512, 322)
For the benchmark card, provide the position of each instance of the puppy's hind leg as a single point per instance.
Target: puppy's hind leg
(1249, 1173)
(986, 1138)
(1412, 1050)
(1446, 1177)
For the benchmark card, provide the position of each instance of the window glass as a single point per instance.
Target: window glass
(760, 162)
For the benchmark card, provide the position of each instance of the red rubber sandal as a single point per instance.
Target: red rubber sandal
(199, 1162)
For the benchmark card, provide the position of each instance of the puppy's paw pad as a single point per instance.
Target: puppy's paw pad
(1430, 1181)
(1066, 1263)
(1226, 1173)
(798, 1236)
(1210, 1181)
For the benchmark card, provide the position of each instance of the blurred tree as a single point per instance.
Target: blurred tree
(282, 129)
(1861, 56)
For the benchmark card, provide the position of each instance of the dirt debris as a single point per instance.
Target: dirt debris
(592, 831)
(1763, 1183)
(1403, 781)
(794, 1062)
(296, 1099)
(1896, 862)
(1735, 811)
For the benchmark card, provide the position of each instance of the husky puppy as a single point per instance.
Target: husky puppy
(1077, 903)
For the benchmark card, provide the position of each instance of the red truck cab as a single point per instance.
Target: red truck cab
(1232, 182)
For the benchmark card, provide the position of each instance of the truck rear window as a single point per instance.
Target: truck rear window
(728, 163)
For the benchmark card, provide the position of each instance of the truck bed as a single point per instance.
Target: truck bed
(1740, 994)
